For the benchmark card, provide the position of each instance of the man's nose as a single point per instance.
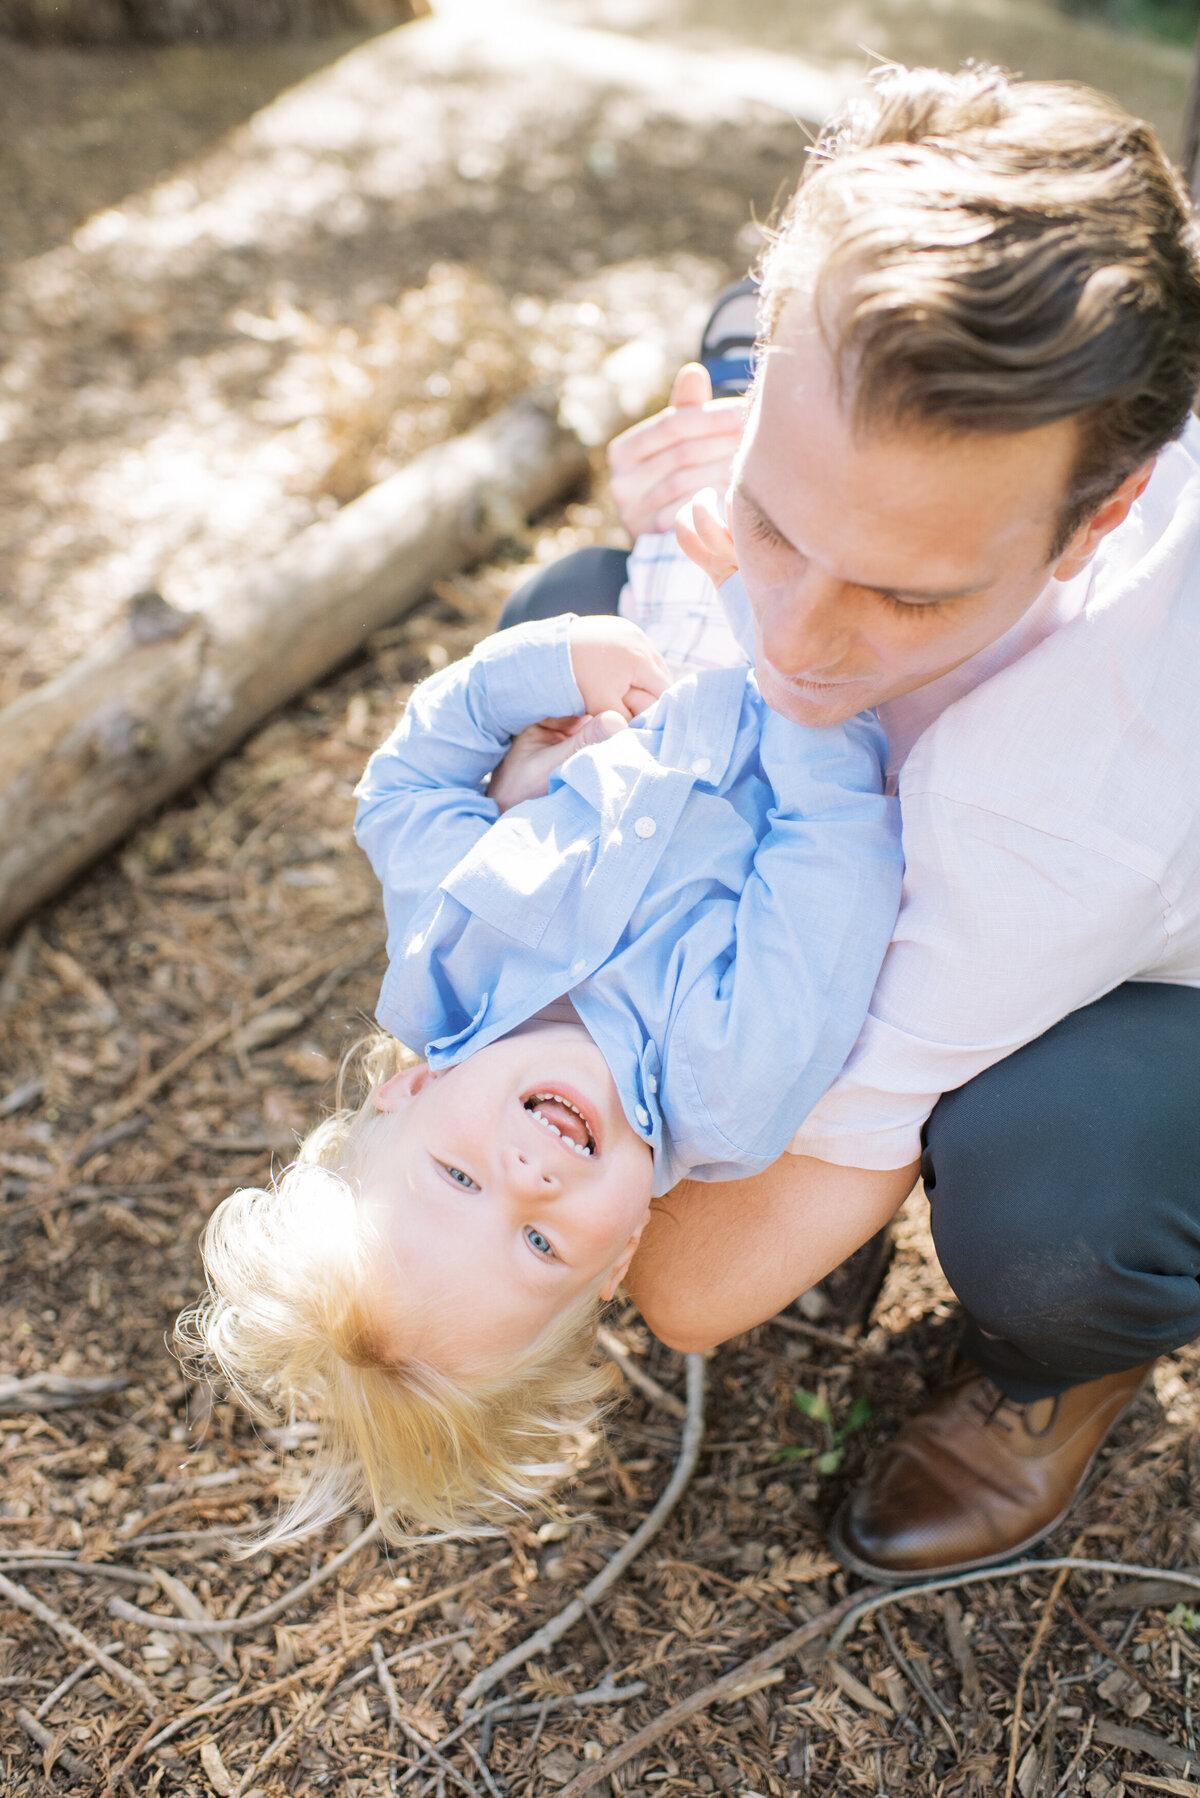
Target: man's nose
(804, 626)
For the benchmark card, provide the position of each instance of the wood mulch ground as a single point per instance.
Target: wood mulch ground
(168, 1027)
(249, 891)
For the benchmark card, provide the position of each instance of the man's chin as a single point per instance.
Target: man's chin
(809, 703)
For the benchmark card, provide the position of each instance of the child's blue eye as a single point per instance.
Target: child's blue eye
(461, 1179)
(537, 1241)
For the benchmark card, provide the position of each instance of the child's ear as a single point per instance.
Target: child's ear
(404, 1085)
(621, 1265)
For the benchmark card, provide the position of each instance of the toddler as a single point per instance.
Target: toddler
(649, 972)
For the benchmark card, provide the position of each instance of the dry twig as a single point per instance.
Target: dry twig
(230, 1699)
(361, 950)
(501, 1710)
(225, 1626)
(59, 1692)
(1006, 1570)
(285, 1736)
(75, 1638)
(1162, 1693)
(70, 1763)
(1183, 1788)
(637, 1376)
(444, 1767)
(799, 1326)
(55, 1392)
(545, 1637)
(122, 1767)
(1144, 1741)
(128, 1576)
(1075, 1760)
(730, 1686)
(387, 1684)
(1014, 1741)
(921, 1687)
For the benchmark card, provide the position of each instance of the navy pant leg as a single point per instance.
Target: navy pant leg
(1064, 1188)
(587, 581)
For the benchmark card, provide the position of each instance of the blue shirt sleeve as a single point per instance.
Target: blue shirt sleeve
(764, 1030)
(421, 802)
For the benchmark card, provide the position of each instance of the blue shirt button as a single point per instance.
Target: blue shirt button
(642, 1116)
(645, 827)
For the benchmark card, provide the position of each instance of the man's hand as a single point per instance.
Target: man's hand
(616, 667)
(705, 539)
(656, 465)
(540, 749)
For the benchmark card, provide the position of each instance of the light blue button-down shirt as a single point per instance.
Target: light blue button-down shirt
(714, 887)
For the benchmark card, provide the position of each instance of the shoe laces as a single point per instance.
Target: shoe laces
(996, 1410)
(993, 1407)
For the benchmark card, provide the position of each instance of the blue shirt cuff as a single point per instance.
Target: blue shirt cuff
(528, 674)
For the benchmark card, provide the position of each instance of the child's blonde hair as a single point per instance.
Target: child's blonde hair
(287, 1325)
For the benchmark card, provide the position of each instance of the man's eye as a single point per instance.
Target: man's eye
(460, 1179)
(913, 605)
(539, 1243)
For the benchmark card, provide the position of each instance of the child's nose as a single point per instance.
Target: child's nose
(532, 1170)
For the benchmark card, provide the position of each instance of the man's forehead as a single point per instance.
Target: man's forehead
(810, 468)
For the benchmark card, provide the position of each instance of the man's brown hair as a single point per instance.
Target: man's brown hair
(987, 254)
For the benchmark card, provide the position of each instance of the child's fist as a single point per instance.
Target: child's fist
(539, 749)
(616, 667)
(704, 538)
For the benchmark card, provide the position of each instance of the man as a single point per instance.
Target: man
(959, 498)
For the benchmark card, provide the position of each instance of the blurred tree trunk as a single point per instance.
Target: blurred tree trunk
(170, 21)
(1191, 132)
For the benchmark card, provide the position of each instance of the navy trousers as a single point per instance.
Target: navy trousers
(1064, 1183)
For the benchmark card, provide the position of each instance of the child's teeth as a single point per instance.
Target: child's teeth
(580, 1148)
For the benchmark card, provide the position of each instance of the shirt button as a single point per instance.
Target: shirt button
(651, 1084)
(645, 827)
(579, 967)
(642, 1116)
(701, 765)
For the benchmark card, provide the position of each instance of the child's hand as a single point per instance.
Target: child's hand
(655, 465)
(704, 539)
(616, 667)
(540, 749)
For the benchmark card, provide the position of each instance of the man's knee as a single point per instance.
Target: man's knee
(1064, 1181)
(587, 581)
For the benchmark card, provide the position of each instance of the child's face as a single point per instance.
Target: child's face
(496, 1222)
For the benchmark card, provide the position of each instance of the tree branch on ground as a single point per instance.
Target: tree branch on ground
(544, 1638)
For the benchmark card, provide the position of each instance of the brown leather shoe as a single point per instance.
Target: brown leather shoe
(977, 1477)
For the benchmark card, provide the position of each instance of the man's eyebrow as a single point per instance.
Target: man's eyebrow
(930, 596)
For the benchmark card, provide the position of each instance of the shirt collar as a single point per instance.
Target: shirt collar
(700, 722)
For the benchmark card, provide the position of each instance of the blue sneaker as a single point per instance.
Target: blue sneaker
(727, 343)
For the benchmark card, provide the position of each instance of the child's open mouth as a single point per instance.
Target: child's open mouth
(564, 1119)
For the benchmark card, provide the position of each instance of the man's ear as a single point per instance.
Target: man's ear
(404, 1085)
(1092, 533)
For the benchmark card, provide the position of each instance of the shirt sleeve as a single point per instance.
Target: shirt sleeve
(760, 1036)
(421, 801)
(1003, 930)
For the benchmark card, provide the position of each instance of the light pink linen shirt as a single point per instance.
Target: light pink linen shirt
(1050, 795)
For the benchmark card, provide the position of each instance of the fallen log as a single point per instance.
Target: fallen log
(86, 756)
(179, 21)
